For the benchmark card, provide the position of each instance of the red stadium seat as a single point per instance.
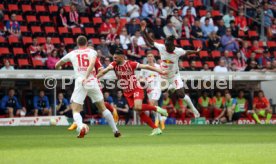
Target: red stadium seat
(76, 31)
(84, 20)
(36, 29)
(112, 20)
(3, 42)
(185, 64)
(66, 8)
(41, 40)
(19, 18)
(230, 54)
(24, 29)
(23, 62)
(63, 30)
(31, 19)
(40, 8)
(203, 54)
(37, 63)
(216, 54)
(271, 44)
(45, 19)
(211, 64)
(197, 43)
(55, 40)
(198, 64)
(53, 9)
(96, 41)
(155, 52)
(27, 40)
(50, 30)
(202, 13)
(13, 40)
(27, 8)
(185, 43)
(89, 31)
(197, 3)
(11, 61)
(4, 51)
(13, 7)
(68, 41)
(97, 20)
(215, 13)
(18, 51)
(241, 34)
(252, 34)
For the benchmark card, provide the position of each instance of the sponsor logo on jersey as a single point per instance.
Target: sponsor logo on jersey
(168, 61)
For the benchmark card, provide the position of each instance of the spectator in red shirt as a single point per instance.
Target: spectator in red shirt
(48, 47)
(52, 60)
(190, 17)
(258, 50)
(35, 49)
(105, 27)
(241, 22)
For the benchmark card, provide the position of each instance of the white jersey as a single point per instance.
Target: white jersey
(80, 60)
(169, 61)
(152, 78)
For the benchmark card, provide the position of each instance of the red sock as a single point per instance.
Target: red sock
(182, 116)
(147, 120)
(148, 107)
(109, 107)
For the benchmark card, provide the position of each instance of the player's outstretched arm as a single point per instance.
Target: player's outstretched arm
(143, 66)
(59, 64)
(149, 41)
(190, 52)
(104, 71)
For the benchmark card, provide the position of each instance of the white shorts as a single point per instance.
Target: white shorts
(154, 94)
(90, 89)
(174, 82)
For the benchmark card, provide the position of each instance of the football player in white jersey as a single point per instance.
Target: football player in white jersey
(152, 81)
(83, 59)
(170, 55)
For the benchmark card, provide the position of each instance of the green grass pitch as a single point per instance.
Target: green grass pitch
(178, 144)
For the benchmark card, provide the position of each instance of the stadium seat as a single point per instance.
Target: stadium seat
(27, 9)
(4, 51)
(142, 53)
(215, 13)
(89, 31)
(155, 52)
(96, 41)
(11, 61)
(13, 8)
(271, 44)
(231, 54)
(197, 44)
(31, 19)
(27, 40)
(3, 42)
(202, 13)
(211, 64)
(13, 40)
(25, 31)
(203, 54)
(45, 20)
(241, 34)
(55, 41)
(76, 31)
(40, 9)
(185, 64)
(36, 30)
(68, 41)
(197, 3)
(84, 20)
(23, 63)
(50, 31)
(53, 9)
(198, 64)
(216, 54)
(19, 18)
(63, 31)
(253, 34)
(41, 40)
(18, 51)
(185, 43)
(97, 20)
(37, 63)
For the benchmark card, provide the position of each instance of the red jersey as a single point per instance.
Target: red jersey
(260, 103)
(126, 73)
(97, 66)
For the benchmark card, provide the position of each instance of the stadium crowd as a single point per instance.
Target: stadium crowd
(226, 31)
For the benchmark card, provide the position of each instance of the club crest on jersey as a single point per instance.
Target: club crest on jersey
(168, 61)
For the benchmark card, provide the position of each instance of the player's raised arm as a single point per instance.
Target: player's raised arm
(60, 63)
(149, 41)
(104, 71)
(143, 66)
(190, 52)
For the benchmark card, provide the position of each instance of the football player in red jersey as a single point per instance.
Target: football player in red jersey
(127, 81)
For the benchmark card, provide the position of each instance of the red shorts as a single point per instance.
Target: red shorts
(217, 112)
(205, 112)
(136, 94)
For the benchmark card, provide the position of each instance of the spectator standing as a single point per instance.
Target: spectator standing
(41, 105)
(268, 15)
(11, 106)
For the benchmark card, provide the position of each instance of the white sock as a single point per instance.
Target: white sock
(190, 104)
(159, 117)
(78, 119)
(109, 118)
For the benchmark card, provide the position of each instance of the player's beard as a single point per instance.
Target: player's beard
(170, 48)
